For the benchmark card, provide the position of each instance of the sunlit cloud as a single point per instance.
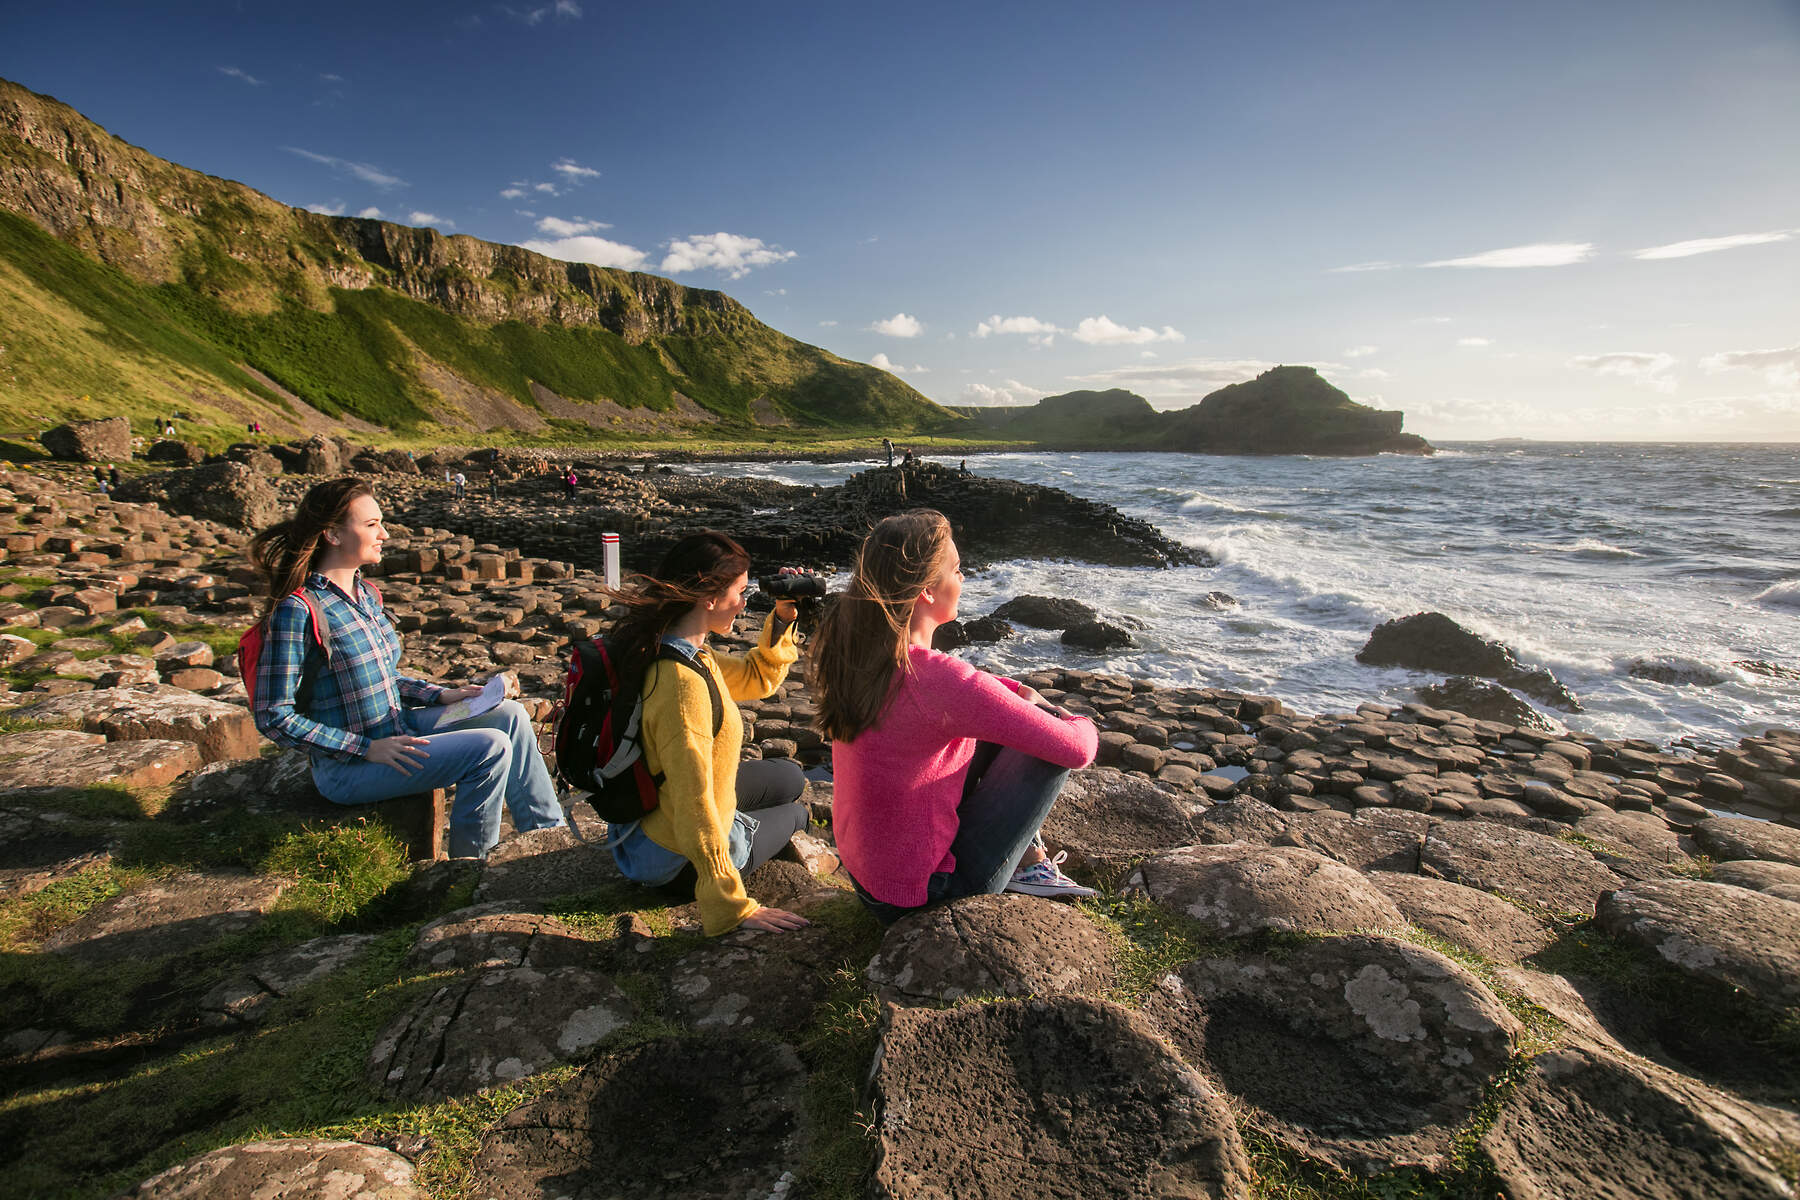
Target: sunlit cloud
(513, 193)
(1779, 367)
(736, 256)
(557, 227)
(999, 324)
(236, 73)
(1541, 254)
(1713, 244)
(1008, 394)
(1103, 331)
(327, 210)
(372, 175)
(562, 10)
(1645, 370)
(568, 168)
(882, 361)
(1380, 265)
(595, 250)
(370, 213)
(1361, 351)
(899, 325)
(425, 218)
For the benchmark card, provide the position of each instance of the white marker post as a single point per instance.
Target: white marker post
(609, 547)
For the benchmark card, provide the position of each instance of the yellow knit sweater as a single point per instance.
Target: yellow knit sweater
(699, 789)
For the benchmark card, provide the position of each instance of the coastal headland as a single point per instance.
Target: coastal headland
(1400, 950)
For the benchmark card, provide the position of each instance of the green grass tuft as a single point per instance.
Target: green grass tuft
(336, 870)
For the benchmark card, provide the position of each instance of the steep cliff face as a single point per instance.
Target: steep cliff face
(229, 265)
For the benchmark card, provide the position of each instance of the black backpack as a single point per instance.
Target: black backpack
(599, 746)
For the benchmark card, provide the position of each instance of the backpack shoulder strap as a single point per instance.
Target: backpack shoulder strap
(712, 685)
(318, 619)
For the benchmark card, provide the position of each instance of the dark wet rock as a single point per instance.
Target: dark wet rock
(1676, 672)
(1239, 889)
(1527, 868)
(501, 934)
(1776, 879)
(548, 862)
(1484, 701)
(1466, 917)
(1747, 939)
(290, 1168)
(967, 1099)
(1363, 1052)
(174, 453)
(1105, 818)
(1732, 838)
(1430, 641)
(754, 979)
(495, 1028)
(1002, 945)
(987, 629)
(951, 635)
(1219, 601)
(1588, 1125)
(231, 493)
(713, 1117)
(1373, 840)
(1045, 612)
(156, 712)
(1098, 636)
(107, 440)
(245, 998)
(169, 916)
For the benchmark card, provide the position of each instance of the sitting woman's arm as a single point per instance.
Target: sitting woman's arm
(286, 645)
(759, 672)
(971, 703)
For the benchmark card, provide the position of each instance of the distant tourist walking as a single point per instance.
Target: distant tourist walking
(328, 682)
(943, 774)
(494, 484)
(569, 482)
(462, 484)
(887, 444)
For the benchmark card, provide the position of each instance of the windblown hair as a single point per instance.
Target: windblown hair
(696, 569)
(861, 642)
(286, 553)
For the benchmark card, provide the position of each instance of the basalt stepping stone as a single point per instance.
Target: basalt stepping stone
(495, 1028)
(501, 934)
(273, 783)
(757, 979)
(713, 1117)
(245, 998)
(547, 863)
(1366, 1053)
(1242, 820)
(157, 711)
(1238, 889)
(1080, 1096)
(126, 764)
(291, 1168)
(1528, 868)
(1004, 945)
(1105, 818)
(169, 916)
(1373, 840)
(1588, 1125)
(1750, 940)
(1731, 838)
(1472, 919)
(1777, 879)
(1643, 846)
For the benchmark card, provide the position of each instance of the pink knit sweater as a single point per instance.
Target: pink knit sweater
(896, 786)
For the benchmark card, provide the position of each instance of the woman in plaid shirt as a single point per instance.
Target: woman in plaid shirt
(371, 732)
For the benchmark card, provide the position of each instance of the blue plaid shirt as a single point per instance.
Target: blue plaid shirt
(356, 691)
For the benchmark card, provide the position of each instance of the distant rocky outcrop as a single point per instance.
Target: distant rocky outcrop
(1431, 641)
(105, 440)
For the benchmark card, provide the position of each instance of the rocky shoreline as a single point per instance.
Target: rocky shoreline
(1400, 944)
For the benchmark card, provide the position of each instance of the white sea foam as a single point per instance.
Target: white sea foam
(1781, 595)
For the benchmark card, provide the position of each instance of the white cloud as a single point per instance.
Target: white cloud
(882, 361)
(999, 324)
(328, 77)
(1148, 354)
(1709, 245)
(827, 324)
(1541, 254)
(1010, 393)
(598, 251)
(1474, 341)
(1374, 373)
(1779, 367)
(728, 252)
(327, 210)
(1104, 331)
(370, 213)
(372, 175)
(899, 325)
(425, 218)
(513, 193)
(568, 168)
(568, 8)
(1361, 351)
(1646, 370)
(549, 189)
(1366, 266)
(235, 73)
(562, 10)
(557, 227)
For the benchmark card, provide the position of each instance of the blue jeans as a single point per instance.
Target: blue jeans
(488, 759)
(1007, 794)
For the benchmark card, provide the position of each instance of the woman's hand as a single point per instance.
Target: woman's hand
(452, 695)
(773, 920)
(1032, 696)
(787, 610)
(403, 753)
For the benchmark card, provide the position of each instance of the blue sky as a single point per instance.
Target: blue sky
(1553, 220)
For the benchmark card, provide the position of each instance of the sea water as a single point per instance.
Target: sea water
(1604, 563)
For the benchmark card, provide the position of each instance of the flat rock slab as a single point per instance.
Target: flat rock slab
(1105, 818)
(1472, 919)
(1065, 1097)
(1242, 819)
(245, 998)
(754, 979)
(1750, 940)
(157, 711)
(1375, 839)
(1002, 945)
(271, 783)
(147, 763)
(1729, 838)
(1586, 1125)
(1634, 834)
(169, 916)
(495, 1028)
(1777, 879)
(546, 863)
(1239, 889)
(1528, 868)
(1363, 1052)
(501, 934)
(713, 1117)
(293, 1169)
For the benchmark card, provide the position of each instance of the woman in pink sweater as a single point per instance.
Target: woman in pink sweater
(943, 774)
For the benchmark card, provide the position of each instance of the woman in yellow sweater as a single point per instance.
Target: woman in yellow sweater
(702, 837)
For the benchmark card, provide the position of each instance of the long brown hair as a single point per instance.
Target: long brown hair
(286, 553)
(862, 639)
(696, 569)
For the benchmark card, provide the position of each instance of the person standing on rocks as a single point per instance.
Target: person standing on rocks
(462, 485)
(346, 705)
(943, 774)
(716, 818)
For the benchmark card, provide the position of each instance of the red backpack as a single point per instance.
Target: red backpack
(250, 646)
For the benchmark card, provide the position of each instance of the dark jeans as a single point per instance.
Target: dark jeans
(1006, 796)
(771, 789)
